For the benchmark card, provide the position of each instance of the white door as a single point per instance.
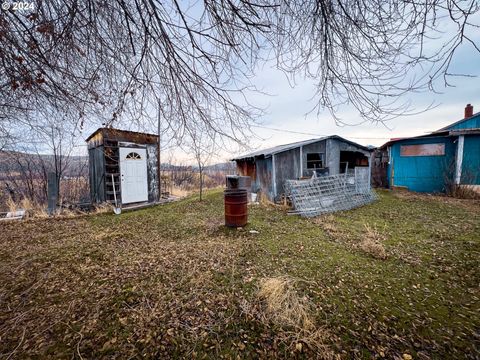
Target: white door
(133, 173)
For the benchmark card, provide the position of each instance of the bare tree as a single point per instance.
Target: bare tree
(203, 146)
(40, 150)
(372, 54)
(114, 60)
(22, 177)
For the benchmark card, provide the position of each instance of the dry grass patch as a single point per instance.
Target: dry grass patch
(180, 192)
(282, 304)
(371, 240)
(371, 243)
(327, 222)
(470, 204)
(32, 210)
(265, 202)
(283, 307)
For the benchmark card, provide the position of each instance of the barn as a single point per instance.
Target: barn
(126, 161)
(270, 168)
(436, 161)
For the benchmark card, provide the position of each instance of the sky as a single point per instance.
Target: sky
(287, 109)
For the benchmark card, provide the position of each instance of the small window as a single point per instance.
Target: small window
(423, 150)
(315, 161)
(133, 156)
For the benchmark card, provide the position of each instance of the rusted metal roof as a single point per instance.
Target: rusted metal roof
(124, 135)
(286, 147)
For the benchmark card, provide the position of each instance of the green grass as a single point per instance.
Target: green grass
(172, 281)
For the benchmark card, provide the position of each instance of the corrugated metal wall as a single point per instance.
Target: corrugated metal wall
(96, 162)
(422, 173)
(471, 160)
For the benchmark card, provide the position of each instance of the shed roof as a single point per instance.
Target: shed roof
(453, 125)
(286, 147)
(124, 135)
(449, 130)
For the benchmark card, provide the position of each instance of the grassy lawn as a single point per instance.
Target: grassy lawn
(395, 279)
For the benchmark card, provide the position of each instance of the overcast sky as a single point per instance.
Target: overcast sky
(287, 109)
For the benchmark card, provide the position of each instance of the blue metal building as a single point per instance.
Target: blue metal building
(433, 162)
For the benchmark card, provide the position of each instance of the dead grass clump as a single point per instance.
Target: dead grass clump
(32, 210)
(102, 208)
(372, 243)
(26, 204)
(264, 201)
(11, 205)
(283, 306)
(180, 192)
(38, 211)
(327, 222)
(465, 192)
(292, 314)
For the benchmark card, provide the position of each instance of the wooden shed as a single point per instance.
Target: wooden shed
(130, 159)
(270, 168)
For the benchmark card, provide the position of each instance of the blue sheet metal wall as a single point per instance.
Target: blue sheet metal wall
(471, 160)
(422, 173)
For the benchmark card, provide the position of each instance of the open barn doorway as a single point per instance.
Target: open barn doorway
(350, 159)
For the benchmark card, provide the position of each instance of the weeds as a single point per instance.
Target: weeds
(283, 306)
(291, 313)
(371, 243)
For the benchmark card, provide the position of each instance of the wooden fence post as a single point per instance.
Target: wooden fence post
(52, 191)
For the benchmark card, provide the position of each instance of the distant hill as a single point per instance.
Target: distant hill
(13, 161)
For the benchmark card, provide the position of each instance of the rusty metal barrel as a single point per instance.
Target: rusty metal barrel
(236, 210)
(240, 182)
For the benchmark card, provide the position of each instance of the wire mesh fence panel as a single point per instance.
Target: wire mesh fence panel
(330, 193)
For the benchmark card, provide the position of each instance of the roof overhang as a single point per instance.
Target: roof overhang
(124, 135)
(266, 153)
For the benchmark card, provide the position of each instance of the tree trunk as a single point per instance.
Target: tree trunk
(201, 182)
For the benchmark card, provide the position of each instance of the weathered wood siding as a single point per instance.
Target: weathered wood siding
(379, 168)
(287, 167)
(333, 149)
(247, 168)
(96, 161)
(152, 172)
(318, 147)
(263, 180)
